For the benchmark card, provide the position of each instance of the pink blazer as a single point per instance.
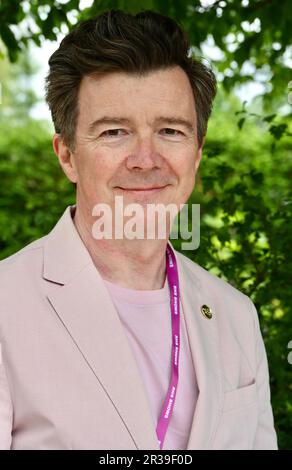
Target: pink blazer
(68, 379)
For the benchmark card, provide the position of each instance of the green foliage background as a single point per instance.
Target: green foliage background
(244, 181)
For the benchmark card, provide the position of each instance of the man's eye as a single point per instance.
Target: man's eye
(113, 133)
(171, 132)
(121, 132)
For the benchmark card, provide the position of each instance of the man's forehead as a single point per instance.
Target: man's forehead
(109, 94)
(159, 82)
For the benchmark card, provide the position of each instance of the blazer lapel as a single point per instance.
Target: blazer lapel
(204, 345)
(85, 309)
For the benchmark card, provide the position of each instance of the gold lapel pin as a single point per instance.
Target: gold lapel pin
(206, 311)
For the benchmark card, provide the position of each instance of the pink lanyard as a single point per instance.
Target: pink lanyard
(172, 276)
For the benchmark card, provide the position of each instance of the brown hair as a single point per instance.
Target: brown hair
(118, 41)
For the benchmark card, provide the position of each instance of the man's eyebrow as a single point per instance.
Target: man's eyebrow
(171, 120)
(178, 121)
(107, 120)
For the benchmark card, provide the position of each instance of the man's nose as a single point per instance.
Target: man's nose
(144, 155)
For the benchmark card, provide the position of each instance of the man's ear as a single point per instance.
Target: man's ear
(65, 157)
(199, 155)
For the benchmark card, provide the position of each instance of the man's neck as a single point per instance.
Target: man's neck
(134, 264)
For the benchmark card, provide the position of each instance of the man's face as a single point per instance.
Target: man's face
(135, 132)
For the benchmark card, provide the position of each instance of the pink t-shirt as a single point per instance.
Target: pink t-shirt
(146, 317)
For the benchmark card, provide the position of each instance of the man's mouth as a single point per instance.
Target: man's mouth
(142, 191)
(149, 189)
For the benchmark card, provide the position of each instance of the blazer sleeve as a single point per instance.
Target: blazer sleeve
(266, 438)
(6, 409)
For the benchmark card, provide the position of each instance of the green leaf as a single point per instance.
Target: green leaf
(240, 122)
(269, 118)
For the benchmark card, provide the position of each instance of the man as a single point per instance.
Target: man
(122, 342)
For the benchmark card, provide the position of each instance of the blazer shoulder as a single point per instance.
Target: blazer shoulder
(24, 255)
(211, 281)
(232, 305)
